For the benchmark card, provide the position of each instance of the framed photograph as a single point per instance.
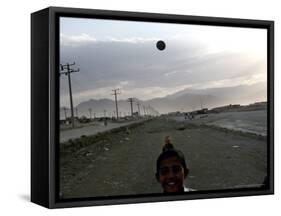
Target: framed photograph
(139, 107)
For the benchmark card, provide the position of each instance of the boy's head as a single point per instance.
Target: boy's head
(171, 171)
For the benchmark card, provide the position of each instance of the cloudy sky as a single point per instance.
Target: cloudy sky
(122, 54)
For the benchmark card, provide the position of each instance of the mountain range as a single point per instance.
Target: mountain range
(186, 100)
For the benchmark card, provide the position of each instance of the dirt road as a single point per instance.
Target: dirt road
(123, 162)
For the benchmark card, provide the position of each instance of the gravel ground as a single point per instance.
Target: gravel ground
(253, 121)
(122, 162)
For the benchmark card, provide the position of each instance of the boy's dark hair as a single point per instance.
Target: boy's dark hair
(170, 153)
(168, 147)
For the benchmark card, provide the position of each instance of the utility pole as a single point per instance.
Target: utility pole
(149, 110)
(68, 71)
(154, 111)
(90, 111)
(104, 113)
(144, 110)
(131, 102)
(76, 109)
(65, 114)
(116, 92)
(138, 104)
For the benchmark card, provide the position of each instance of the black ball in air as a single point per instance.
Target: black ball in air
(161, 45)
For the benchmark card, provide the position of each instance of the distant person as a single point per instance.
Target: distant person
(167, 144)
(191, 116)
(171, 171)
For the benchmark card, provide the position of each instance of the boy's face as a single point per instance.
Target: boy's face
(171, 175)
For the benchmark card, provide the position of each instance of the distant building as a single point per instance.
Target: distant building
(177, 113)
(264, 103)
(84, 119)
(202, 111)
(225, 108)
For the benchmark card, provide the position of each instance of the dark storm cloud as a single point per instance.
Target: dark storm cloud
(105, 64)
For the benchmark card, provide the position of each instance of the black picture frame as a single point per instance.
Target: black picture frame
(45, 108)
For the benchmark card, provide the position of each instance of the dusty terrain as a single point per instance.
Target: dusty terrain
(122, 162)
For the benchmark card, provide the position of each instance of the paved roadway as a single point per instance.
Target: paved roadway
(91, 129)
